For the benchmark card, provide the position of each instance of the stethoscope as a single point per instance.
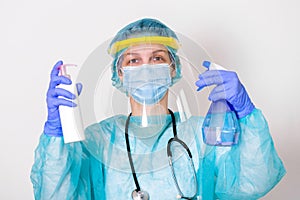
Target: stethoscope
(142, 194)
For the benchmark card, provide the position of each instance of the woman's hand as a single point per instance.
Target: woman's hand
(229, 87)
(57, 97)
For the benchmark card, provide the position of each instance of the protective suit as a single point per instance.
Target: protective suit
(98, 167)
(76, 171)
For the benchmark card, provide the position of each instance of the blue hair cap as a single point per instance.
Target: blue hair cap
(141, 28)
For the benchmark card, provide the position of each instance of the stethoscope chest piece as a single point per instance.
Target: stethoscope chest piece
(138, 195)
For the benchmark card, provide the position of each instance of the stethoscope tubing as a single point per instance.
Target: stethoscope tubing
(169, 153)
(129, 154)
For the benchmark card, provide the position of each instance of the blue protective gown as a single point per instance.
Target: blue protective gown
(98, 168)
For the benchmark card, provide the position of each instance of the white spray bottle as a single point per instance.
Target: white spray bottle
(71, 119)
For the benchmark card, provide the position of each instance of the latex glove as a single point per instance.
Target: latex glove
(53, 124)
(229, 87)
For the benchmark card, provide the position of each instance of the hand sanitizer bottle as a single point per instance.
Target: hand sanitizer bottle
(220, 126)
(71, 119)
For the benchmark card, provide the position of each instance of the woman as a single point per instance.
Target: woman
(124, 157)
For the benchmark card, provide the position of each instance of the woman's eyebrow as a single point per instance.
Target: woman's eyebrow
(131, 53)
(160, 50)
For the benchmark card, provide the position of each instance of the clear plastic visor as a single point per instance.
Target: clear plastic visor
(148, 90)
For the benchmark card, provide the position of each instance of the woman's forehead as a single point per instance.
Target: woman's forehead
(146, 48)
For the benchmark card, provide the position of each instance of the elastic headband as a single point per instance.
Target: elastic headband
(167, 41)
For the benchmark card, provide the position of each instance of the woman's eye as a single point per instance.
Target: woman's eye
(158, 58)
(133, 61)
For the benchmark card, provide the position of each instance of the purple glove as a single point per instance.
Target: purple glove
(53, 124)
(229, 87)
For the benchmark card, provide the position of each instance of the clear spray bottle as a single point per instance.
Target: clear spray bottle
(220, 126)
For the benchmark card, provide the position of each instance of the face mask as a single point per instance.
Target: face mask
(147, 84)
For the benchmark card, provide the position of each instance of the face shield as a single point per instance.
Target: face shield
(145, 77)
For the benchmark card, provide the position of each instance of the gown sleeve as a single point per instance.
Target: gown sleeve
(251, 168)
(60, 171)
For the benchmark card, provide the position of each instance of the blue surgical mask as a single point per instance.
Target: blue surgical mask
(147, 84)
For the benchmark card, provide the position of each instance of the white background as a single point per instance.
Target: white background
(258, 39)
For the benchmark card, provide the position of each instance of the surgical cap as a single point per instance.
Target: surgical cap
(143, 31)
